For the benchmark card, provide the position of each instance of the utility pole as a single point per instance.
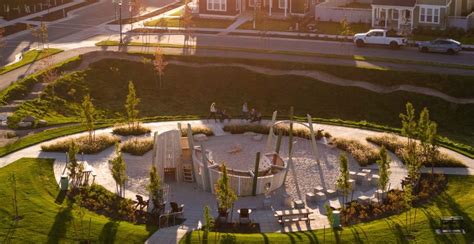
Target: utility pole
(120, 20)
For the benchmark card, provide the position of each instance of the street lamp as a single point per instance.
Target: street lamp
(119, 2)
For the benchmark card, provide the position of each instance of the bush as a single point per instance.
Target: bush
(100, 143)
(363, 154)
(98, 199)
(199, 129)
(125, 130)
(396, 146)
(302, 132)
(137, 147)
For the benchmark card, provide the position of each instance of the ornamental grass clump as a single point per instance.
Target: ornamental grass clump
(398, 147)
(137, 146)
(100, 143)
(125, 130)
(199, 129)
(363, 154)
(302, 132)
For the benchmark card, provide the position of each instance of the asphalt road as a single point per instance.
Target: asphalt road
(80, 20)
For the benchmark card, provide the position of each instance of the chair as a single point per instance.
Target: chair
(244, 216)
(175, 208)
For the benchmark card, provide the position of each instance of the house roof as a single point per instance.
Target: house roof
(405, 3)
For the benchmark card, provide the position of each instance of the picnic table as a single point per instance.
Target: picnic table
(293, 216)
(451, 223)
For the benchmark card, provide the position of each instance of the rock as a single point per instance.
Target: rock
(25, 124)
(200, 137)
(42, 122)
(249, 133)
(257, 137)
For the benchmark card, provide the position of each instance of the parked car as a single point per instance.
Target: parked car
(448, 46)
(380, 37)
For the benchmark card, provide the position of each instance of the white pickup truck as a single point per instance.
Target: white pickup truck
(380, 37)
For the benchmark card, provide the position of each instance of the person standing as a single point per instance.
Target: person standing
(213, 112)
(245, 111)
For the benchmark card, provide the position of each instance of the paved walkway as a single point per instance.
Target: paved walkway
(193, 198)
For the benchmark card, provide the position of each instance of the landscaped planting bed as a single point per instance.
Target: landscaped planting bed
(298, 131)
(98, 144)
(197, 129)
(363, 154)
(137, 146)
(135, 130)
(396, 146)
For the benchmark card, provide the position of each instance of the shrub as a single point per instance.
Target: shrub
(131, 131)
(199, 129)
(363, 154)
(100, 143)
(396, 146)
(298, 131)
(98, 199)
(137, 147)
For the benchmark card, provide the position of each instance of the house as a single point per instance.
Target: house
(405, 15)
(231, 9)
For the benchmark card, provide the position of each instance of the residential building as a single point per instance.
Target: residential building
(231, 9)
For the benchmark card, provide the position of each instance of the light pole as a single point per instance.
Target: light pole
(120, 20)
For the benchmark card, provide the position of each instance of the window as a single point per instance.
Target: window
(217, 5)
(252, 3)
(394, 14)
(429, 15)
(282, 4)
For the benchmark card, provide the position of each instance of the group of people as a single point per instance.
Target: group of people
(222, 115)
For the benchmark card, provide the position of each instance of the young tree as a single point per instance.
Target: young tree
(159, 64)
(88, 115)
(411, 155)
(346, 29)
(408, 201)
(131, 106)
(156, 191)
(208, 224)
(73, 165)
(119, 171)
(224, 193)
(40, 33)
(384, 169)
(186, 18)
(343, 180)
(427, 130)
(2, 41)
(12, 180)
(50, 74)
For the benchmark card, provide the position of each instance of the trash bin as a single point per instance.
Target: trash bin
(336, 219)
(64, 182)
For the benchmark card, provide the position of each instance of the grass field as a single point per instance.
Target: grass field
(457, 200)
(49, 218)
(191, 90)
(30, 57)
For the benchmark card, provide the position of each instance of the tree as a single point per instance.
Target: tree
(156, 191)
(187, 18)
(119, 171)
(224, 193)
(88, 115)
(50, 74)
(342, 182)
(346, 29)
(159, 64)
(2, 41)
(40, 33)
(208, 224)
(408, 201)
(410, 154)
(426, 132)
(384, 166)
(131, 106)
(73, 166)
(12, 180)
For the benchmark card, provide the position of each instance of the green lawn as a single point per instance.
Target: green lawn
(329, 28)
(30, 57)
(196, 22)
(191, 90)
(463, 40)
(48, 218)
(457, 200)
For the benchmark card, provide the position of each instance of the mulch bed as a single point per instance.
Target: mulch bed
(62, 13)
(12, 29)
